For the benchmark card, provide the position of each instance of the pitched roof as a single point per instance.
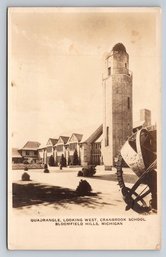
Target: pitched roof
(15, 153)
(94, 136)
(53, 140)
(99, 140)
(65, 139)
(78, 136)
(31, 145)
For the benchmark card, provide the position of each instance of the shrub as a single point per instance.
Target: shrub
(88, 171)
(46, 170)
(26, 168)
(45, 166)
(63, 161)
(51, 161)
(25, 177)
(84, 188)
(75, 158)
(80, 173)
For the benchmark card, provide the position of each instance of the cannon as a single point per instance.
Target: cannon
(139, 154)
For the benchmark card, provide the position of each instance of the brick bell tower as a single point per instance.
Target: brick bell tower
(117, 94)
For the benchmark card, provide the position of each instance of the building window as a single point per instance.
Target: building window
(128, 102)
(59, 148)
(107, 137)
(109, 71)
(72, 146)
(49, 149)
(125, 65)
(27, 153)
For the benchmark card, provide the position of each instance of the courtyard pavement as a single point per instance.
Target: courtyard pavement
(54, 193)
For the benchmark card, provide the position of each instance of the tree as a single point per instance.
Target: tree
(75, 158)
(63, 161)
(51, 161)
(69, 160)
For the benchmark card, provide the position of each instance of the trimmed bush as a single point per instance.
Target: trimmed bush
(46, 170)
(75, 158)
(88, 171)
(45, 166)
(84, 188)
(80, 173)
(51, 161)
(63, 161)
(25, 177)
(69, 161)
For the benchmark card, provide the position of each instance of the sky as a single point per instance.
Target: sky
(55, 65)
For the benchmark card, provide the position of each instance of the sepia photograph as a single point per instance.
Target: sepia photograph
(84, 128)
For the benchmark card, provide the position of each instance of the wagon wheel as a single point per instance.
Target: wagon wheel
(133, 199)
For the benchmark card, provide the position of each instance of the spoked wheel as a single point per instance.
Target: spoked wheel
(134, 200)
(134, 197)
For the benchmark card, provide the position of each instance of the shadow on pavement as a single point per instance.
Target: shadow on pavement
(27, 194)
(128, 178)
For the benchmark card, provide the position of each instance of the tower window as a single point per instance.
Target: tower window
(128, 102)
(107, 137)
(125, 65)
(109, 71)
